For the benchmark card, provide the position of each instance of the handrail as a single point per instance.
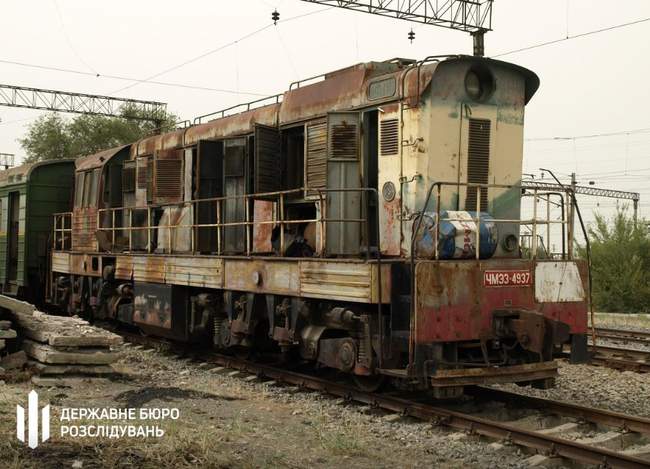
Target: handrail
(111, 224)
(249, 106)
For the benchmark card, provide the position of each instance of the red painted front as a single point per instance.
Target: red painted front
(454, 305)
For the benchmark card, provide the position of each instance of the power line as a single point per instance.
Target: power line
(578, 137)
(123, 78)
(575, 36)
(217, 49)
(68, 40)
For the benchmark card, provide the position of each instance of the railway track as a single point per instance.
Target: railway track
(622, 358)
(591, 436)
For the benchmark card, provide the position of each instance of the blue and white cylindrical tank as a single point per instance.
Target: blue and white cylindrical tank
(457, 235)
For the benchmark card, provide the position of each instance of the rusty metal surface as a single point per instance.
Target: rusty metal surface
(453, 305)
(254, 275)
(329, 280)
(166, 141)
(237, 124)
(97, 160)
(84, 226)
(61, 262)
(263, 211)
(204, 272)
(494, 375)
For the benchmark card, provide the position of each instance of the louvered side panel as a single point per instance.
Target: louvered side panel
(268, 167)
(343, 134)
(478, 161)
(142, 172)
(168, 177)
(316, 157)
(389, 137)
(128, 177)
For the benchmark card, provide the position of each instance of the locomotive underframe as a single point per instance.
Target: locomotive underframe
(326, 310)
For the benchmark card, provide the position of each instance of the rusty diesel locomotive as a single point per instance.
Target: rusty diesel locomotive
(366, 220)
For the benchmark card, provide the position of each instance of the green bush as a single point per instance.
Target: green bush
(53, 137)
(620, 263)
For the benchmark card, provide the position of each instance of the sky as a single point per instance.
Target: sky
(591, 85)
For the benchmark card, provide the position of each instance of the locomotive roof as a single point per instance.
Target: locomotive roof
(340, 90)
(21, 174)
(97, 160)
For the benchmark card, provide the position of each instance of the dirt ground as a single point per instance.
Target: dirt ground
(230, 422)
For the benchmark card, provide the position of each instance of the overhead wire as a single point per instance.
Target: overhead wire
(68, 40)
(217, 49)
(123, 78)
(575, 36)
(579, 137)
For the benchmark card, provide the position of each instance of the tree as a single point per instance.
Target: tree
(620, 259)
(53, 137)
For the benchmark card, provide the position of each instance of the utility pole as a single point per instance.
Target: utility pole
(573, 205)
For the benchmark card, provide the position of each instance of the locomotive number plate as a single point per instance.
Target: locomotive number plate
(507, 278)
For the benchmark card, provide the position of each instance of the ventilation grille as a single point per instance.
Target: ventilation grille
(168, 181)
(142, 172)
(344, 141)
(316, 157)
(478, 161)
(128, 178)
(268, 172)
(389, 137)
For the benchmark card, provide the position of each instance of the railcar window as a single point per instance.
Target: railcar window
(79, 189)
(94, 187)
(293, 143)
(234, 157)
(382, 88)
(87, 190)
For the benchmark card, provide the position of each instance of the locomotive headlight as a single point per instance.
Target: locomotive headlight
(473, 86)
(510, 243)
(479, 83)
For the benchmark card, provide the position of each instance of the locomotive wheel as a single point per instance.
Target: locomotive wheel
(369, 383)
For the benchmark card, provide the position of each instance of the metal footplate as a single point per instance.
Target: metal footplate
(494, 375)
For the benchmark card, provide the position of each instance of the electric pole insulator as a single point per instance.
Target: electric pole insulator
(275, 16)
(411, 36)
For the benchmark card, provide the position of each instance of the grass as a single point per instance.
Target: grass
(621, 319)
(343, 440)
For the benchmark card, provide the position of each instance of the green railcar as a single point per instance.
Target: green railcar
(29, 195)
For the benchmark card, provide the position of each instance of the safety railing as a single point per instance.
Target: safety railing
(533, 223)
(237, 108)
(118, 227)
(62, 231)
